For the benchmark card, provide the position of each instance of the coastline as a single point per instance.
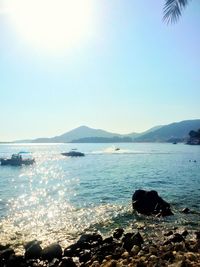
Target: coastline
(172, 247)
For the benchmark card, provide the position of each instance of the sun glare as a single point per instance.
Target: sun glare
(52, 25)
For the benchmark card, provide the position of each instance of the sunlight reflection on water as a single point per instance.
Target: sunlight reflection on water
(59, 198)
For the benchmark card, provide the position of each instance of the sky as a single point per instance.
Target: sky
(108, 64)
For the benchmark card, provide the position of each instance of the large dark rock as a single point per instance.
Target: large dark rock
(51, 252)
(85, 242)
(16, 261)
(6, 253)
(89, 240)
(149, 202)
(33, 250)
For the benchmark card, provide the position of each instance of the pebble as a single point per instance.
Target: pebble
(154, 252)
(135, 250)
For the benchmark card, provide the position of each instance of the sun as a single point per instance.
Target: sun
(52, 25)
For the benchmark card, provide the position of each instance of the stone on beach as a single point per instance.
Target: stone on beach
(33, 250)
(52, 251)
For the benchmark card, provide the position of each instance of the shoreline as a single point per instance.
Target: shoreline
(171, 247)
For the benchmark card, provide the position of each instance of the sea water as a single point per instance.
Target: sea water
(59, 198)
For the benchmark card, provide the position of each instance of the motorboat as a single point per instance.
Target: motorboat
(17, 160)
(73, 154)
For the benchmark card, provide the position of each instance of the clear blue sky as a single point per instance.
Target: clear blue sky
(128, 73)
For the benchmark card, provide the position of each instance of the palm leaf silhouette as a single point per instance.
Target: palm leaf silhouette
(173, 10)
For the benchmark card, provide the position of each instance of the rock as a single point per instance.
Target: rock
(95, 264)
(184, 233)
(153, 250)
(168, 256)
(54, 263)
(117, 253)
(88, 241)
(72, 251)
(85, 256)
(153, 258)
(90, 238)
(135, 249)
(168, 233)
(185, 210)
(149, 202)
(16, 261)
(51, 252)
(112, 263)
(3, 247)
(197, 235)
(179, 246)
(131, 239)
(125, 255)
(6, 253)
(33, 250)
(175, 239)
(104, 250)
(67, 262)
(118, 233)
(108, 240)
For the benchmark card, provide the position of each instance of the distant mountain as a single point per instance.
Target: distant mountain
(76, 134)
(137, 135)
(177, 131)
(114, 139)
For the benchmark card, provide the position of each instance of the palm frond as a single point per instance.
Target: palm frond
(173, 10)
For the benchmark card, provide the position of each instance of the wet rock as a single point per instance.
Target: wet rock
(85, 242)
(168, 233)
(175, 239)
(131, 239)
(33, 250)
(104, 250)
(67, 262)
(3, 247)
(184, 233)
(149, 202)
(108, 240)
(16, 261)
(6, 253)
(54, 263)
(118, 233)
(117, 253)
(51, 252)
(185, 210)
(72, 251)
(179, 246)
(85, 256)
(89, 239)
(168, 256)
(135, 249)
(197, 235)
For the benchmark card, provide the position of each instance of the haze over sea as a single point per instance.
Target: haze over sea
(59, 198)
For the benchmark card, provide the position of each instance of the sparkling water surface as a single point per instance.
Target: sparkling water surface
(58, 198)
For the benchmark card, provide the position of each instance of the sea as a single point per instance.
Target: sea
(59, 198)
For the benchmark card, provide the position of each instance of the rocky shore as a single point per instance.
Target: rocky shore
(134, 247)
(173, 248)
